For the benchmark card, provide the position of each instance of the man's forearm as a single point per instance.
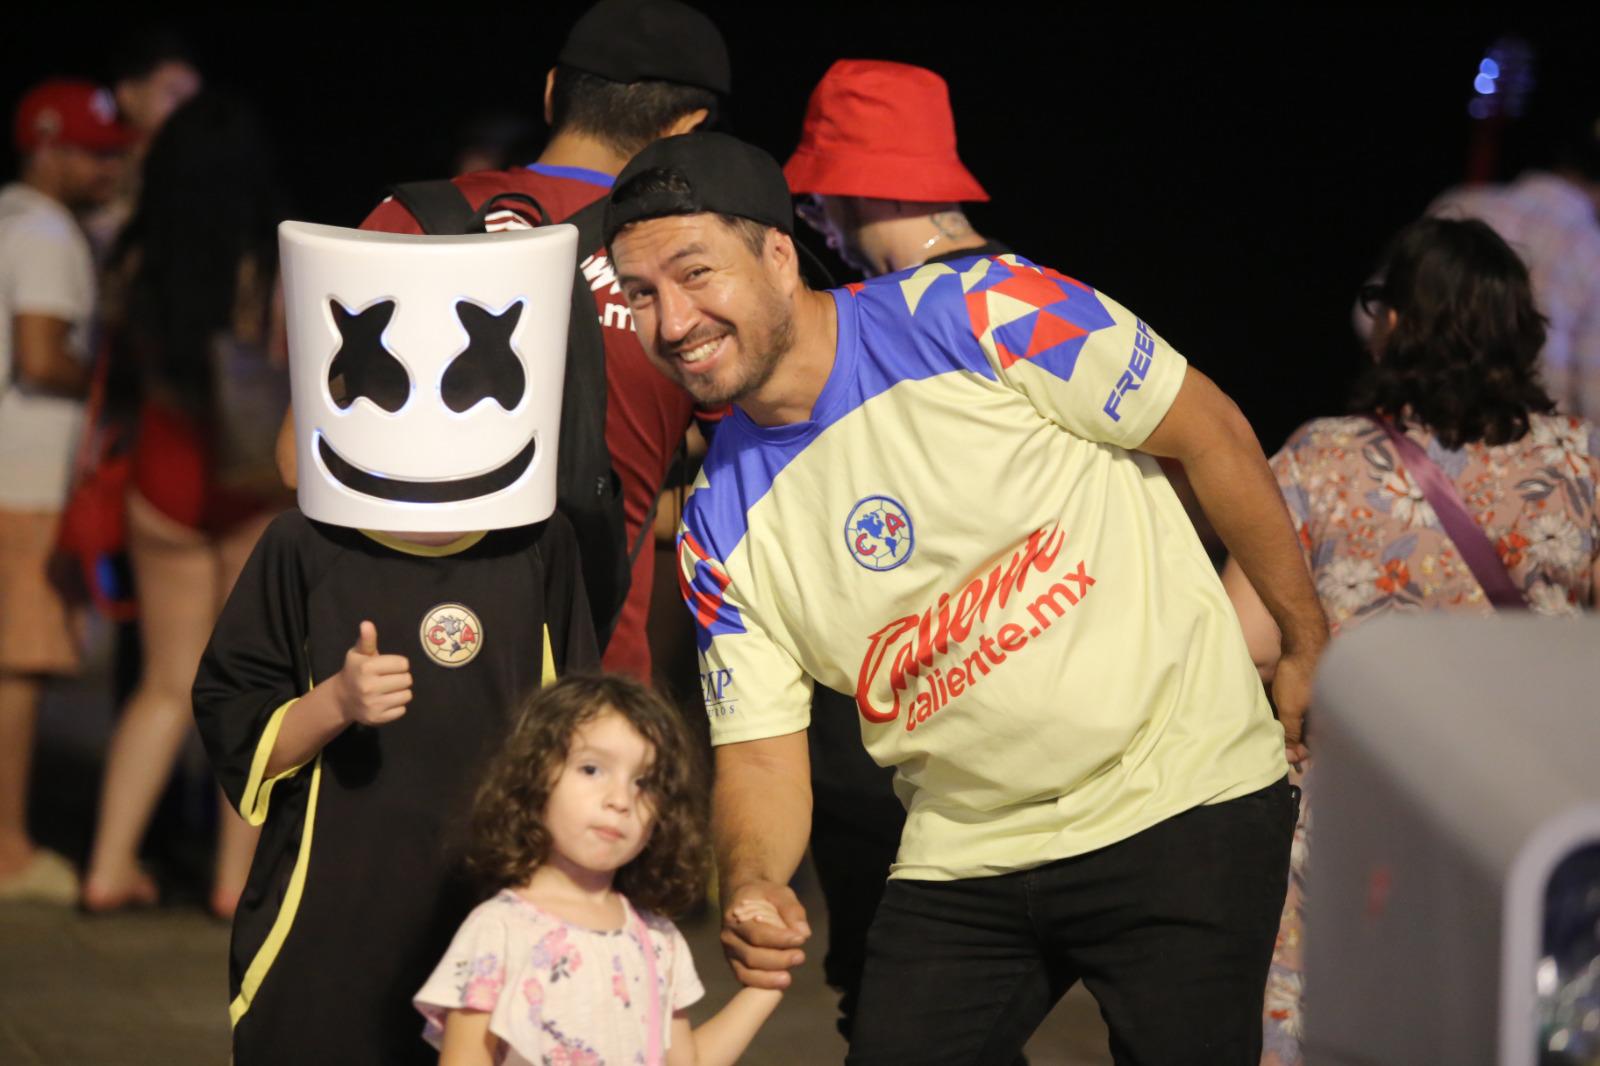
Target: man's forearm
(1236, 488)
(62, 377)
(43, 359)
(761, 809)
(1209, 435)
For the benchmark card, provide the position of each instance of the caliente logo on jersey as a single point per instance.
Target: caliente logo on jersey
(878, 533)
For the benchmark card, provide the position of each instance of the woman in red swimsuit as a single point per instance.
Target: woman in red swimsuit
(198, 326)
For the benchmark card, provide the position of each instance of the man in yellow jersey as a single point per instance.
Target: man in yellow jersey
(938, 491)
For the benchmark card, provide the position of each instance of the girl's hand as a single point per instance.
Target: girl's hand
(373, 689)
(755, 910)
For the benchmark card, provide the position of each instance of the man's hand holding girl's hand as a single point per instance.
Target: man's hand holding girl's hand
(763, 928)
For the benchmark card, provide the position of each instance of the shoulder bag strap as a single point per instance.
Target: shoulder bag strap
(1477, 551)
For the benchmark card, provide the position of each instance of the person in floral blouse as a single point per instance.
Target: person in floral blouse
(1454, 349)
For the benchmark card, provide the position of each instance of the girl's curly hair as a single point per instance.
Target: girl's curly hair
(1463, 356)
(508, 838)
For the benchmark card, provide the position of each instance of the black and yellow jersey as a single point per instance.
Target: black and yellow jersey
(357, 884)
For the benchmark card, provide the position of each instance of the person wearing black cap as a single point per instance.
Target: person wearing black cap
(937, 490)
(629, 72)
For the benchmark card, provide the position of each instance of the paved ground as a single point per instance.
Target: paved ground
(148, 989)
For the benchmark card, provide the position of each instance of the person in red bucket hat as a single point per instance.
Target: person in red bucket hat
(876, 174)
(877, 170)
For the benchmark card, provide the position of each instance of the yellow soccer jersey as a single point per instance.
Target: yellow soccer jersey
(960, 536)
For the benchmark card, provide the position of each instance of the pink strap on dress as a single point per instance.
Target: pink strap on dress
(652, 1038)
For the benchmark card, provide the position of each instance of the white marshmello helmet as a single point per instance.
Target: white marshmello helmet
(427, 374)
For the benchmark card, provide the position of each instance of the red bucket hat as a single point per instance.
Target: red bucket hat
(883, 130)
(77, 113)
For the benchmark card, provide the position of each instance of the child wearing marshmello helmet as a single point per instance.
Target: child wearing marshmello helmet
(364, 667)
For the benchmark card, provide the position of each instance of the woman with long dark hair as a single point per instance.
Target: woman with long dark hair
(192, 289)
(1454, 371)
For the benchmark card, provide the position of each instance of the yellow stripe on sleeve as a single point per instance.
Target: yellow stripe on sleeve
(549, 672)
(253, 804)
(256, 972)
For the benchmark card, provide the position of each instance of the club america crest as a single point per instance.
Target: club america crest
(451, 635)
(878, 533)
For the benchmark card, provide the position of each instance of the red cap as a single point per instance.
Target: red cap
(77, 113)
(882, 130)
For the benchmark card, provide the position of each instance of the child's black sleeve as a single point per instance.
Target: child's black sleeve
(256, 664)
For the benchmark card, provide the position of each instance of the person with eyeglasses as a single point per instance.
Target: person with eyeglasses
(1452, 401)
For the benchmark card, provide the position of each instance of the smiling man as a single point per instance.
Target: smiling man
(938, 491)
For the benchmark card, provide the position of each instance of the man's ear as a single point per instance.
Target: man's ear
(782, 258)
(687, 122)
(549, 90)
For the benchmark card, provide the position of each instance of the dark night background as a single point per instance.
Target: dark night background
(1230, 178)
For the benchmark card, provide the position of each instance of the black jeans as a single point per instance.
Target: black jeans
(1171, 930)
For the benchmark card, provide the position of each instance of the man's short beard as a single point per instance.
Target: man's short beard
(769, 340)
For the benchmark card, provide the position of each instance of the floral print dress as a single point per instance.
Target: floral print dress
(559, 994)
(1375, 546)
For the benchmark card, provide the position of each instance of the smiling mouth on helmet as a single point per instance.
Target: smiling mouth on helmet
(401, 490)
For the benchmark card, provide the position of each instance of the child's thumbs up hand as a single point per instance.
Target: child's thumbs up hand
(373, 689)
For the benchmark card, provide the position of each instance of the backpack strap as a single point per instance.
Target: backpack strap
(498, 202)
(1477, 551)
(587, 484)
(441, 207)
(438, 206)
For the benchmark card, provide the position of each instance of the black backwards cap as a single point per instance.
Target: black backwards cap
(724, 175)
(649, 40)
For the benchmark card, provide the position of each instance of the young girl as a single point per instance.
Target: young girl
(590, 822)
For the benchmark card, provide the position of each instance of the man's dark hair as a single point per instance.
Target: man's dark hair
(139, 55)
(673, 195)
(1464, 353)
(625, 115)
